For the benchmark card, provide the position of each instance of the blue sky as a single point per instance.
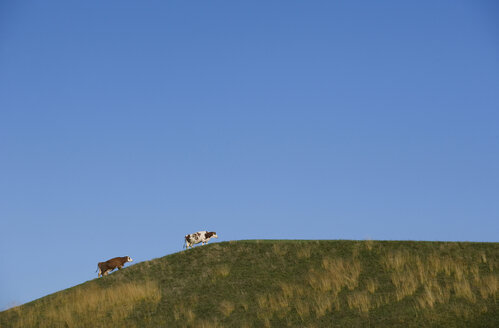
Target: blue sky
(125, 125)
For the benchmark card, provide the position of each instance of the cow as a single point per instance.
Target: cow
(108, 266)
(198, 237)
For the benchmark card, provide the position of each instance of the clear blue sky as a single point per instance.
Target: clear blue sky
(125, 125)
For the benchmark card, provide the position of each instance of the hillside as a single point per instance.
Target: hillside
(286, 284)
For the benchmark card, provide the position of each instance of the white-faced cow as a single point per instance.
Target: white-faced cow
(199, 237)
(108, 266)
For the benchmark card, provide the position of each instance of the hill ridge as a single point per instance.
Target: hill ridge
(279, 283)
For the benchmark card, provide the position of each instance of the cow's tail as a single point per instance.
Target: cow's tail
(184, 244)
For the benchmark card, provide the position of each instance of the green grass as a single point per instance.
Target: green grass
(286, 283)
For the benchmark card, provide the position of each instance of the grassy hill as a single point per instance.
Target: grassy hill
(286, 284)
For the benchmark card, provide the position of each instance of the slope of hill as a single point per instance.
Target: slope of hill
(286, 284)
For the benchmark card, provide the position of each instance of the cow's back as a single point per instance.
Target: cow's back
(117, 261)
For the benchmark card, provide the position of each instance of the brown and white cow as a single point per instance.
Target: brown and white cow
(199, 237)
(108, 266)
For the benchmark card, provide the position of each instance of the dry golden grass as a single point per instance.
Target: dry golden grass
(405, 282)
(359, 300)
(395, 260)
(326, 282)
(264, 313)
(489, 286)
(297, 297)
(302, 307)
(321, 281)
(409, 272)
(372, 285)
(462, 288)
(341, 273)
(278, 304)
(262, 301)
(226, 307)
(207, 324)
(304, 252)
(287, 289)
(72, 308)
(274, 304)
(432, 294)
(321, 303)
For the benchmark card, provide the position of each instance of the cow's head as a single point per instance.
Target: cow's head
(214, 234)
(129, 259)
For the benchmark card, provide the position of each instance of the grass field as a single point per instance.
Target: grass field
(280, 283)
